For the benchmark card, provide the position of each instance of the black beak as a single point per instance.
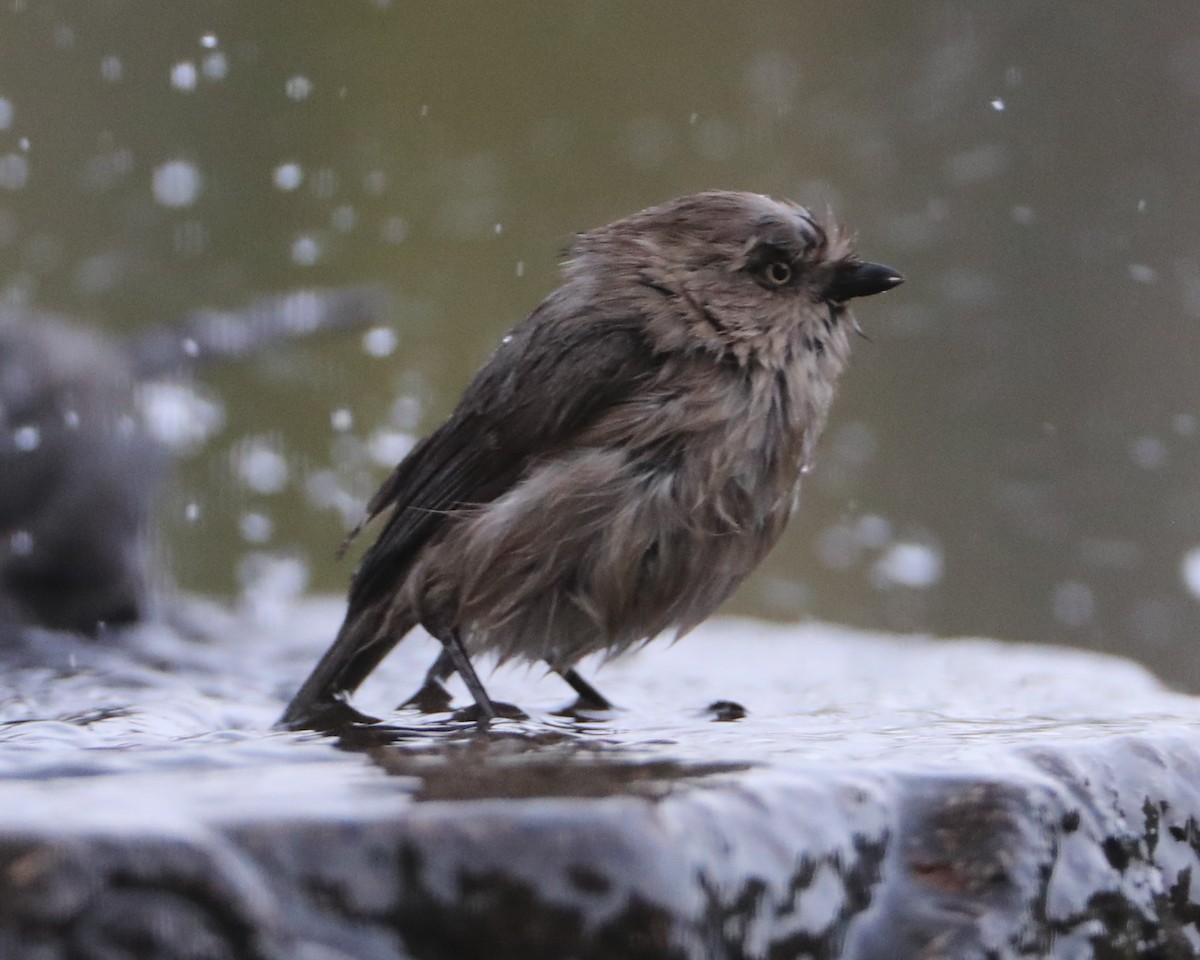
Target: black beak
(861, 280)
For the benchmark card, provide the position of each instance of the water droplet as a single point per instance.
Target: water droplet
(1024, 215)
(20, 542)
(837, 547)
(208, 40)
(255, 527)
(215, 66)
(306, 250)
(178, 416)
(375, 182)
(1074, 604)
(111, 69)
(916, 565)
(298, 88)
(260, 464)
(27, 438)
(1149, 453)
(394, 230)
(387, 447)
(176, 183)
(6, 113)
(183, 76)
(998, 105)
(380, 341)
(14, 171)
(192, 512)
(288, 176)
(1190, 570)
(873, 531)
(341, 420)
(406, 412)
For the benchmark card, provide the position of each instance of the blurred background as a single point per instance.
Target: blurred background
(1014, 453)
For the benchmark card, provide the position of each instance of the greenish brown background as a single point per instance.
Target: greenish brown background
(1025, 415)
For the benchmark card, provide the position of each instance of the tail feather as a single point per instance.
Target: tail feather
(362, 642)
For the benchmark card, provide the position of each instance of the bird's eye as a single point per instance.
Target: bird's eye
(777, 273)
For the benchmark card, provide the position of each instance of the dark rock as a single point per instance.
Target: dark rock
(103, 897)
(896, 800)
(724, 711)
(79, 471)
(77, 475)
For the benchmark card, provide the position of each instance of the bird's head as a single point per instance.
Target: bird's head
(742, 271)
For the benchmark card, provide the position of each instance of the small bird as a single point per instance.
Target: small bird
(625, 458)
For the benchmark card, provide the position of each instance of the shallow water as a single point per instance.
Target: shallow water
(170, 730)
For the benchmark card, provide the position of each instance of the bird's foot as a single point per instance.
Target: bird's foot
(589, 701)
(433, 697)
(329, 716)
(473, 713)
(586, 708)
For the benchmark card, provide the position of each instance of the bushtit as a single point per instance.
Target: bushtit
(624, 459)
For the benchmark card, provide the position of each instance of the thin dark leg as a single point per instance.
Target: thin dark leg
(589, 697)
(442, 668)
(462, 663)
(433, 697)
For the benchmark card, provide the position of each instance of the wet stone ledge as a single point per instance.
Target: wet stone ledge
(883, 798)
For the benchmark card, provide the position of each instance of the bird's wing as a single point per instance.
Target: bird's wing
(555, 374)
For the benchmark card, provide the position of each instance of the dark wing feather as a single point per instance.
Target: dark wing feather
(555, 374)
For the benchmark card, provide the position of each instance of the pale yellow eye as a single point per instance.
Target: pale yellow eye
(778, 273)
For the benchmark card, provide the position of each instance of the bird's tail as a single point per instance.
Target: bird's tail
(362, 642)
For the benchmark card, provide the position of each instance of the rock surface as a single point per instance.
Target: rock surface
(882, 798)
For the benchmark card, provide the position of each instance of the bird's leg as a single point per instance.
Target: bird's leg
(462, 663)
(589, 697)
(433, 697)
